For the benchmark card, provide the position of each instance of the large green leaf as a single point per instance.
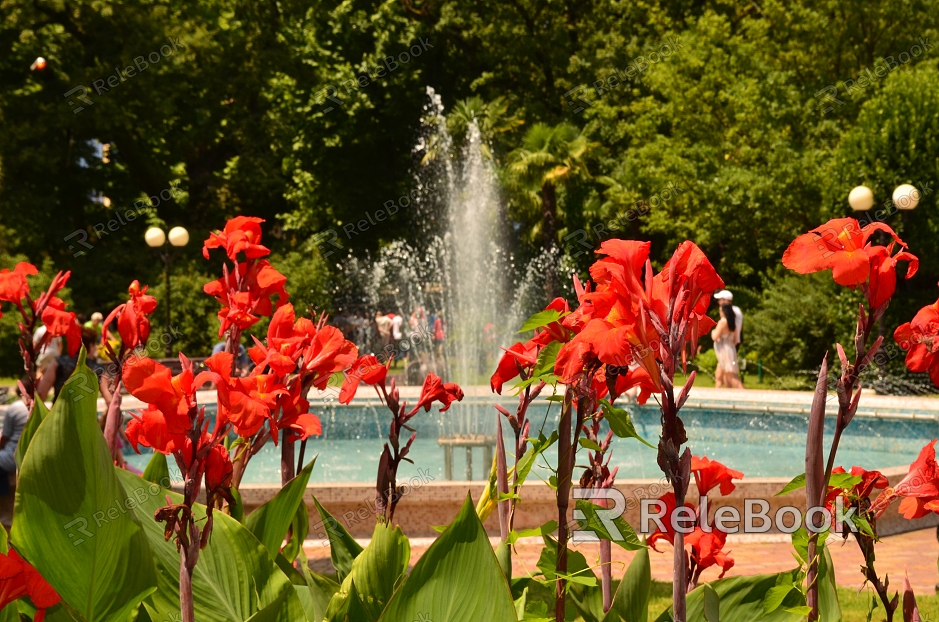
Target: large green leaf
(234, 578)
(457, 580)
(741, 599)
(829, 608)
(73, 520)
(270, 522)
(36, 417)
(712, 604)
(157, 471)
(346, 606)
(320, 591)
(299, 528)
(380, 568)
(343, 548)
(631, 601)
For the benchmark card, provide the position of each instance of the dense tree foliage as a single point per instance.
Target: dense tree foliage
(737, 125)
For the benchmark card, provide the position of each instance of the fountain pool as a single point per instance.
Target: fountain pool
(762, 441)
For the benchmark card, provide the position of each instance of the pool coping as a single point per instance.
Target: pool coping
(750, 400)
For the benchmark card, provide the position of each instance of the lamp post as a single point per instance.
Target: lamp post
(905, 197)
(156, 239)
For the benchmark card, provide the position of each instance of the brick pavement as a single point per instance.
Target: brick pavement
(915, 552)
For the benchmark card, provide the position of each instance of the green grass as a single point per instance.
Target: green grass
(853, 605)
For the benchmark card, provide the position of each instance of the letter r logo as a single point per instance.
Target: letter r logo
(82, 97)
(82, 236)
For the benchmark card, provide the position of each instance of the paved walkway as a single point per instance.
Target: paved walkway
(915, 553)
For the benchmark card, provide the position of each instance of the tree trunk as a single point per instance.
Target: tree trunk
(549, 211)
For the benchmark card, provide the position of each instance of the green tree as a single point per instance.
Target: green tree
(896, 141)
(549, 158)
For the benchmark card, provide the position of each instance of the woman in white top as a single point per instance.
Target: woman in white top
(725, 346)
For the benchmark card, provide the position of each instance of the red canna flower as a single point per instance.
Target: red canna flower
(669, 534)
(18, 578)
(329, 352)
(284, 342)
(244, 402)
(706, 550)
(62, 323)
(241, 234)
(842, 246)
(171, 400)
(521, 356)
(709, 474)
(303, 426)
(366, 369)
(151, 429)
(132, 322)
(13, 284)
(218, 469)
(435, 389)
(921, 340)
(884, 272)
(241, 308)
(919, 489)
(295, 416)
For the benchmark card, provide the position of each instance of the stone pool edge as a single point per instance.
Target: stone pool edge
(436, 503)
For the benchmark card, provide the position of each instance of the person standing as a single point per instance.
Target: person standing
(724, 297)
(48, 352)
(14, 422)
(97, 323)
(726, 336)
(62, 367)
(383, 326)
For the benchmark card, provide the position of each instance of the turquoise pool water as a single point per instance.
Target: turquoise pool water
(760, 443)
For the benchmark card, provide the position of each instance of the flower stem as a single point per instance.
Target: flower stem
(606, 573)
(565, 468)
(286, 458)
(113, 421)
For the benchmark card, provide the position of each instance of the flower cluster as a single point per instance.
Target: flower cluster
(298, 354)
(637, 317)
(706, 542)
(175, 424)
(48, 310)
(14, 288)
(246, 290)
(844, 247)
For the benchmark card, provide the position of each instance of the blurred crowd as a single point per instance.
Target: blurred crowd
(415, 344)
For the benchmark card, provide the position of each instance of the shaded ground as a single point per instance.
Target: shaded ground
(914, 553)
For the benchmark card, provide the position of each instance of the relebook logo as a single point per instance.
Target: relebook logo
(655, 515)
